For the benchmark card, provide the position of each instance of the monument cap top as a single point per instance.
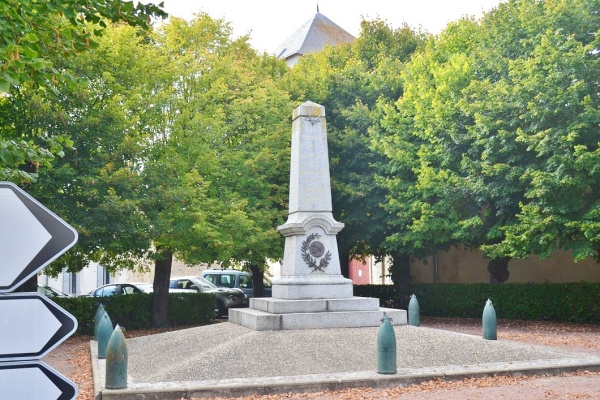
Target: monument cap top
(309, 109)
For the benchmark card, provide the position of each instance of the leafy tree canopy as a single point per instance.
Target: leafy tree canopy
(491, 133)
(35, 35)
(32, 32)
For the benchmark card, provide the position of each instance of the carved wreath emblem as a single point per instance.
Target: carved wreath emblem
(312, 249)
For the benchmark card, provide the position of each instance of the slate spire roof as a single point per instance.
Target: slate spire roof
(315, 34)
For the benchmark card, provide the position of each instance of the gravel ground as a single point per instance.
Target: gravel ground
(72, 359)
(170, 357)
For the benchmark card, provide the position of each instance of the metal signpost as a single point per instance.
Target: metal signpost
(31, 325)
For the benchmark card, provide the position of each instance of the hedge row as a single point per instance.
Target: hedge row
(561, 302)
(133, 312)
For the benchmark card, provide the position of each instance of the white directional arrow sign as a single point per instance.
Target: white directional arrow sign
(31, 236)
(34, 381)
(31, 325)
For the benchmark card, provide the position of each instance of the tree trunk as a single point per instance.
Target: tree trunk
(400, 269)
(498, 269)
(345, 263)
(257, 281)
(160, 301)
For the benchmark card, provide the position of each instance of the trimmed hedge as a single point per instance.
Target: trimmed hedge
(134, 311)
(562, 302)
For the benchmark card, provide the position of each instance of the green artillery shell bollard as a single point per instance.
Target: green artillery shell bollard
(414, 319)
(489, 321)
(116, 361)
(386, 347)
(97, 319)
(105, 329)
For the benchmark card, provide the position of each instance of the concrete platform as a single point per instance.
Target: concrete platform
(279, 314)
(264, 321)
(230, 360)
(280, 306)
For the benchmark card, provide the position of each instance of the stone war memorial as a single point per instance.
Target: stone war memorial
(311, 292)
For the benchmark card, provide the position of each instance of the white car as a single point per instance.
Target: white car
(112, 289)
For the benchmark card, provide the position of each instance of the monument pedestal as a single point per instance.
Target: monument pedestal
(311, 293)
(298, 287)
(278, 314)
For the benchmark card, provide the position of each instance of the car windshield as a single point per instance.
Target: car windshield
(203, 283)
(48, 291)
(246, 281)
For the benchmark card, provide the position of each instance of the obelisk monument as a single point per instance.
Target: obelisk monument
(311, 263)
(311, 292)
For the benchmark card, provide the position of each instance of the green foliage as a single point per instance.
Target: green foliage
(568, 302)
(228, 134)
(191, 308)
(494, 142)
(134, 312)
(181, 151)
(32, 33)
(35, 37)
(97, 187)
(83, 309)
(387, 294)
(558, 82)
(562, 302)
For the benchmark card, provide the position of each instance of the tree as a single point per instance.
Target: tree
(559, 83)
(229, 98)
(97, 187)
(33, 36)
(94, 186)
(474, 105)
(32, 33)
(170, 124)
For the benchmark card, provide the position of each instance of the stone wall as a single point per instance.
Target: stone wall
(459, 265)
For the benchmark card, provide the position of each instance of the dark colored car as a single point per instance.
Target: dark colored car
(226, 297)
(231, 278)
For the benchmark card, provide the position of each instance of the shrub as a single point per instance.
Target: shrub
(562, 302)
(134, 311)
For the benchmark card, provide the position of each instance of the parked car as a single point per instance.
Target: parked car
(226, 297)
(50, 292)
(113, 289)
(232, 278)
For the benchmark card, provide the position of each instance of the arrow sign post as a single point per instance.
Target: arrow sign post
(34, 380)
(31, 325)
(31, 236)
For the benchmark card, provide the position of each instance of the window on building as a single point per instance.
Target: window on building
(73, 283)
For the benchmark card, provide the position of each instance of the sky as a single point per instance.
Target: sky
(271, 22)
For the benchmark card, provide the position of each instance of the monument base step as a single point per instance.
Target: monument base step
(285, 306)
(315, 291)
(335, 314)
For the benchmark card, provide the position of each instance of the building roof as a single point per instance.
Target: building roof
(315, 34)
